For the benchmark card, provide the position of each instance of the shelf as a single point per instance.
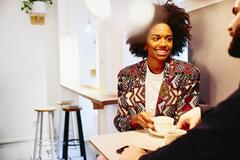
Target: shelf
(98, 99)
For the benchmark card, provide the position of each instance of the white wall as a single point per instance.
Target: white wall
(28, 69)
(210, 41)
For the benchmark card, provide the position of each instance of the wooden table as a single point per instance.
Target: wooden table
(108, 144)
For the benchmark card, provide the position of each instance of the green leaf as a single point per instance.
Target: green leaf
(27, 4)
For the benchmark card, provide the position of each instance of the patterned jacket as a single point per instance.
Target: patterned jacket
(178, 93)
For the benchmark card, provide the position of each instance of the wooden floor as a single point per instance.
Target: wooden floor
(24, 151)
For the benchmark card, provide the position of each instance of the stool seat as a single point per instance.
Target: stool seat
(62, 103)
(71, 108)
(45, 109)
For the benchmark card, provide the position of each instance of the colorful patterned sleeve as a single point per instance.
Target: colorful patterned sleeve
(122, 121)
(189, 92)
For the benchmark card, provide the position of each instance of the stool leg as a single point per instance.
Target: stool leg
(51, 132)
(53, 125)
(72, 116)
(65, 139)
(41, 130)
(59, 140)
(36, 137)
(80, 134)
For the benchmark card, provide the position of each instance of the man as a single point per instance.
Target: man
(217, 136)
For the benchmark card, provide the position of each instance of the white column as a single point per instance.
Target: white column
(110, 57)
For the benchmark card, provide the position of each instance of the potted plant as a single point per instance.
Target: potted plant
(35, 6)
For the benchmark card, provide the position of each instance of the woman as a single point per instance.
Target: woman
(159, 84)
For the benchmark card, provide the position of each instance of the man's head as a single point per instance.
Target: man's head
(234, 30)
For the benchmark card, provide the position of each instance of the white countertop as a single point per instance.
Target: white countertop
(108, 144)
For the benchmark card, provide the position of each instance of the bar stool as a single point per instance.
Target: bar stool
(59, 136)
(39, 131)
(62, 104)
(66, 140)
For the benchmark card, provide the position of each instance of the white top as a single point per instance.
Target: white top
(153, 83)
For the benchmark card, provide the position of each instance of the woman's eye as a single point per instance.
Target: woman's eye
(169, 39)
(155, 38)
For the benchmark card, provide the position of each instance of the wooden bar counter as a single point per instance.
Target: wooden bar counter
(98, 99)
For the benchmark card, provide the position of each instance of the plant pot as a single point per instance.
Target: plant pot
(39, 7)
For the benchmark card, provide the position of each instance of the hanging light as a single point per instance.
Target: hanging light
(141, 13)
(89, 26)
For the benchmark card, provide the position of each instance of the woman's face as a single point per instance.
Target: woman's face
(159, 42)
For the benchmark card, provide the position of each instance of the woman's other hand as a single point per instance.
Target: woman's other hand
(190, 119)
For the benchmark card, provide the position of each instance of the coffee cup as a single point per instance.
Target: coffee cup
(163, 123)
(173, 134)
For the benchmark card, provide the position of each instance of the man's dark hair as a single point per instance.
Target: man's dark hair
(177, 19)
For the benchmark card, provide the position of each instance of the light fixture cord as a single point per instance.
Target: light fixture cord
(89, 22)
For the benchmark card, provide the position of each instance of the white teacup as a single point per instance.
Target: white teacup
(163, 123)
(173, 134)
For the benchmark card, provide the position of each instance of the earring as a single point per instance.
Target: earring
(145, 48)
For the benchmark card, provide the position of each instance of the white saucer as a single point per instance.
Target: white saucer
(160, 134)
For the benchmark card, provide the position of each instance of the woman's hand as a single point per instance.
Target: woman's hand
(191, 118)
(144, 119)
(132, 153)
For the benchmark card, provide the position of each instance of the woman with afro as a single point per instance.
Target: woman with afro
(159, 84)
